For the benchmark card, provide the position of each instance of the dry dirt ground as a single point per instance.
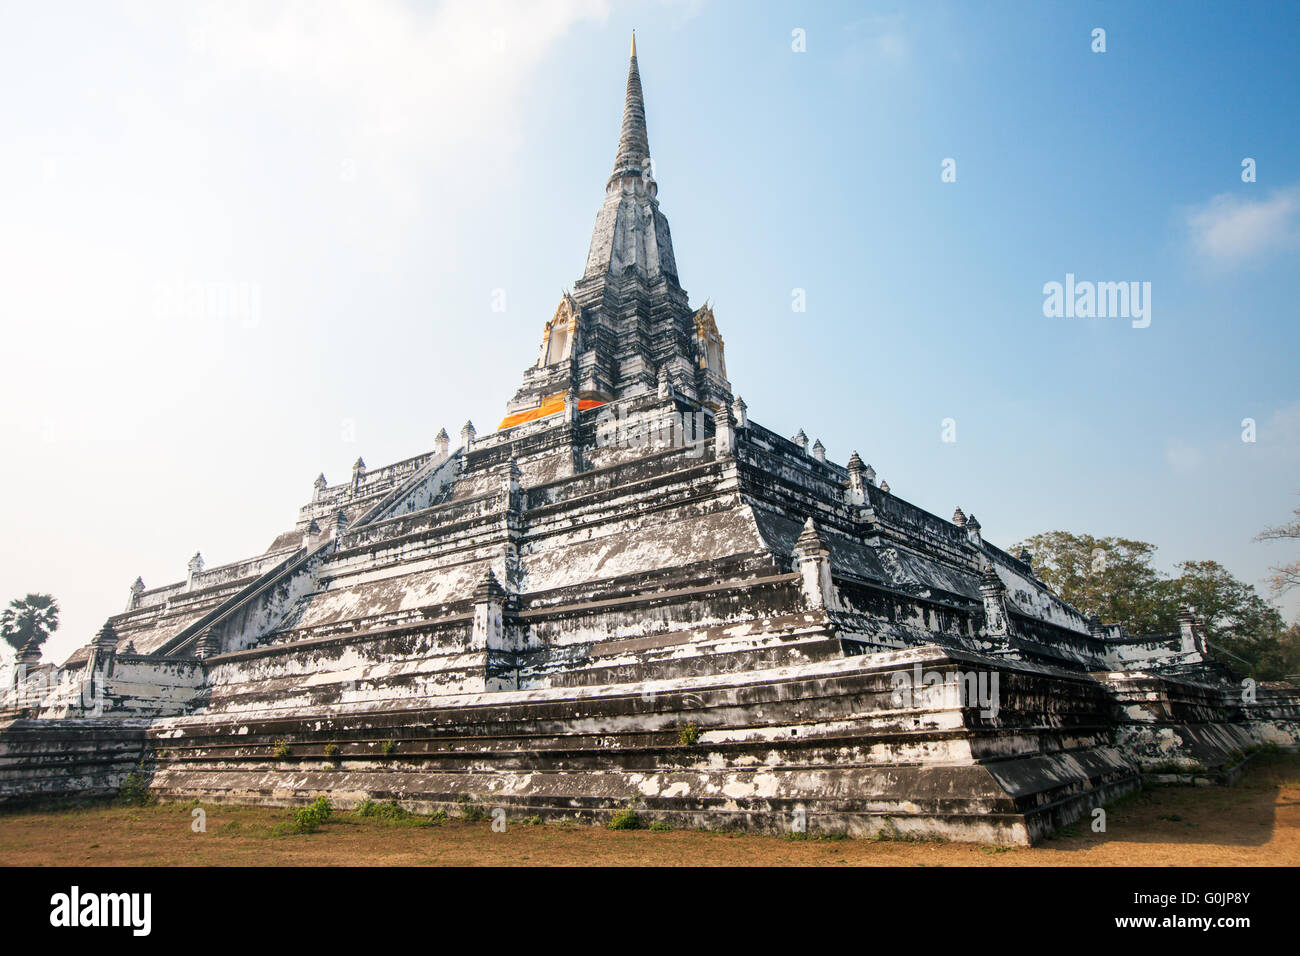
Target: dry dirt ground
(1257, 822)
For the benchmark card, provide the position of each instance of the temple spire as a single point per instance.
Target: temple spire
(631, 232)
(633, 142)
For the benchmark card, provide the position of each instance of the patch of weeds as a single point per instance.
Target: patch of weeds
(626, 819)
(390, 811)
(688, 734)
(888, 831)
(470, 811)
(134, 791)
(658, 826)
(384, 810)
(281, 749)
(534, 821)
(995, 849)
(820, 837)
(388, 746)
(1171, 817)
(332, 752)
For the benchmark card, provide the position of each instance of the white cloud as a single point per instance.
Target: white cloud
(1229, 230)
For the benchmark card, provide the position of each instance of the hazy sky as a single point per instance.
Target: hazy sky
(242, 244)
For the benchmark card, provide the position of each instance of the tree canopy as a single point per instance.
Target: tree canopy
(29, 621)
(1110, 577)
(1115, 579)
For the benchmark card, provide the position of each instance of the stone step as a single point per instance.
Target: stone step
(956, 801)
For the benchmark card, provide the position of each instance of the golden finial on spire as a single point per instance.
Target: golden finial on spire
(633, 44)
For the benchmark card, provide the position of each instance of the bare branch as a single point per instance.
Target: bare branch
(1284, 578)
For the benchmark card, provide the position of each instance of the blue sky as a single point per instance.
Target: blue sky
(375, 172)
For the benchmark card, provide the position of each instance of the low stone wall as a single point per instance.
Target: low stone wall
(799, 734)
(1180, 730)
(843, 744)
(45, 761)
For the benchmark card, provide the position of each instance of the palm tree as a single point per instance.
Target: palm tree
(28, 622)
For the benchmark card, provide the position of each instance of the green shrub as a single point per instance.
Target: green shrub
(658, 826)
(134, 791)
(386, 810)
(627, 819)
(310, 817)
(388, 746)
(688, 734)
(469, 810)
(331, 751)
(390, 811)
(281, 749)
